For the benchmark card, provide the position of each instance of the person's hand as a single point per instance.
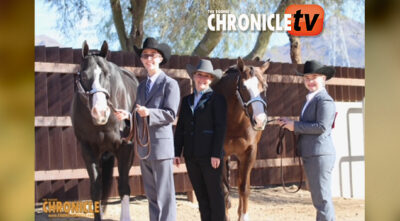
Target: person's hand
(177, 161)
(121, 114)
(288, 124)
(142, 110)
(215, 161)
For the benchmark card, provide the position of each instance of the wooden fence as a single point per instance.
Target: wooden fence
(59, 168)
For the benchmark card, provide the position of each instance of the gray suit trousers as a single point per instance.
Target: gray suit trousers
(318, 170)
(160, 190)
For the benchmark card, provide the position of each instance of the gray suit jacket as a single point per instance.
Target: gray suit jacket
(314, 127)
(162, 102)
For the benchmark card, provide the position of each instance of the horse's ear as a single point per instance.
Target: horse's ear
(104, 49)
(240, 64)
(265, 66)
(85, 48)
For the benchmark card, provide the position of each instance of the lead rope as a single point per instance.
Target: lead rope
(280, 149)
(133, 133)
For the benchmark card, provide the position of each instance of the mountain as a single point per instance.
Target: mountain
(340, 35)
(46, 41)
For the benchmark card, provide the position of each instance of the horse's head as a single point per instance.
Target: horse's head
(94, 78)
(250, 84)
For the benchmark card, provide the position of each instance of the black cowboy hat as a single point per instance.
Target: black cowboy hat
(204, 66)
(152, 43)
(315, 67)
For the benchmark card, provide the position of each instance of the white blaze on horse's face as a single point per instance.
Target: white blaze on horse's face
(252, 85)
(100, 110)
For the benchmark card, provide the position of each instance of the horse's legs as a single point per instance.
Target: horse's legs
(226, 185)
(95, 176)
(125, 159)
(247, 160)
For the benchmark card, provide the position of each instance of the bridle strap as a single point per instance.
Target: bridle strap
(101, 90)
(280, 150)
(245, 105)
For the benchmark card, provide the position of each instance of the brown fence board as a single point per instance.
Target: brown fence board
(274, 68)
(117, 58)
(272, 176)
(346, 93)
(360, 93)
(77, 56)
(352, 93)
(289, 69)
(136, 185)
(331, 91)
(114, 187)
(58, 191)
(339, 72)
(40, 53)
(183, 61)
(275, 99)
(53, 94)
(173, 61)
(339, 93)
(69, 148)
(41, 105)
(71, 190)
(351, 73)
(42, 148)
(52, 54)
(83, 189)
(79, 159)
(66, 93)
(287, 97)
(66, 55)
(128, 59)
(66, 82)
(362, 74)
(267, 143)
(55, 148)
(43, 190)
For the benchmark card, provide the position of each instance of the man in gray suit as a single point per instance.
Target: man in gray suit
(315, 142)
(157, 102)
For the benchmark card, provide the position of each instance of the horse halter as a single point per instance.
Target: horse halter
(92, 91)
(245, 105)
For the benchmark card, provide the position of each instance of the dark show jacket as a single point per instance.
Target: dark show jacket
(200, 130)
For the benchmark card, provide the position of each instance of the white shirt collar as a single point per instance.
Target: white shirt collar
(154, 77)
(311, 95)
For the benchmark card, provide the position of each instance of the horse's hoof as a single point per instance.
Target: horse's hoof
(125, 216)
(244, 217)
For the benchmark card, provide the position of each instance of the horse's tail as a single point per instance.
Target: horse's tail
(107, 165)
(228, 173)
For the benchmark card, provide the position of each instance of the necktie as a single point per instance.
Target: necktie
(147, 87)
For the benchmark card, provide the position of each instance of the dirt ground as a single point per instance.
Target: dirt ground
(266, 204)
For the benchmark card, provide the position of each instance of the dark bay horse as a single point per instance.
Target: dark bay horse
(102, 84)
(246, 118)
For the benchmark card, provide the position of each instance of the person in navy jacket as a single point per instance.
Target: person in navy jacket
(199, 135)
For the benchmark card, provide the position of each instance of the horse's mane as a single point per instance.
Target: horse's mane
(232, 68)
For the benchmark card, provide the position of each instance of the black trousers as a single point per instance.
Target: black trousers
(207, 185)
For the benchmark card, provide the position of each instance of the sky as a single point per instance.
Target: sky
(46, 18)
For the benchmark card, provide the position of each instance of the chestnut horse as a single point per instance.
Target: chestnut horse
(246, 118)
(102, 86)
